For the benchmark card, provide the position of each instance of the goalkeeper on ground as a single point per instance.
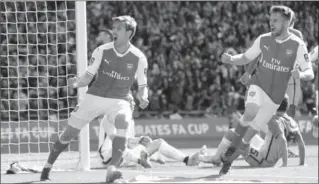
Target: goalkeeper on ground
(139, 147)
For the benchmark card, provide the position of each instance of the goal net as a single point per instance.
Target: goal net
(38, 54)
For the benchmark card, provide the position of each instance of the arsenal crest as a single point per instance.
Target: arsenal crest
(129, 66)
(289, 52)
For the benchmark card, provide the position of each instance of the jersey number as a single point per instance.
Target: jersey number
(254, 152)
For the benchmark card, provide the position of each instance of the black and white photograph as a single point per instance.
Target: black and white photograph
(159, 91)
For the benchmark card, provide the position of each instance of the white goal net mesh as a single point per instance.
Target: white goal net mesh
(37, 56)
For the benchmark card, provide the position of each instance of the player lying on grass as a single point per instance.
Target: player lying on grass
(282, 129)
(139, 148)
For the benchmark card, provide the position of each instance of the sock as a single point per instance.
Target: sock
(239, 133)
(118, 147)
(223, 145)
(171, 152)
(56, 150)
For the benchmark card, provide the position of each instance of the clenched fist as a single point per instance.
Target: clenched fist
(226, 58)
(296, 73)
(142, 99)
(245, 78)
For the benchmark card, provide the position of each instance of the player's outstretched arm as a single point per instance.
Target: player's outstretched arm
(284, 144)
(302, 148)
(245, 58)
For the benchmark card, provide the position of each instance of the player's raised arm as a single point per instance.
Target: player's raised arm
(87, 77)
(245, 58)
(303, 62)
(142, 94)
(301, 147)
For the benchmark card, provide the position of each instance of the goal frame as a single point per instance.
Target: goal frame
(81, 64)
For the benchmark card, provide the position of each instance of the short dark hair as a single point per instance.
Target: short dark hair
(284, 10)
(107, 31)
(284, 104)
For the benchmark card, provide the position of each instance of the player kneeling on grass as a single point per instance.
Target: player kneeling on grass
(282, 129)
(139, 148)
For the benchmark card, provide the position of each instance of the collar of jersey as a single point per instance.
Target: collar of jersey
(282, 41)
(119, 54)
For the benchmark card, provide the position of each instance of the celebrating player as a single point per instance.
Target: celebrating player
(281, 52)
(265, 153)
(117, 65)
(294, 85)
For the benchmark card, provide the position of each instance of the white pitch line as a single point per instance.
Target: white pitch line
(201, 174)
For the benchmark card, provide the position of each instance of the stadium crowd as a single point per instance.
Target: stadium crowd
(183, 42)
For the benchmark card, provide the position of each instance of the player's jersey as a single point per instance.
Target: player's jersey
(278, 60)
(116, 72)
(272, 147)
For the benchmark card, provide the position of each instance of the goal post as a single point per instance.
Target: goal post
(43, 43)
(81, 60)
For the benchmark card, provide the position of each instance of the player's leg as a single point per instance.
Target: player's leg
(263, 116)
(105, 141)
(223, 145)
(253, 103)
(86, 111)
(161, 146)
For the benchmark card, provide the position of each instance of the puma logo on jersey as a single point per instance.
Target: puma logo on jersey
(105, 60)
(266, 47)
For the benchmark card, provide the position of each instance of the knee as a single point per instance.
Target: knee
(250, 112)
(121, 122)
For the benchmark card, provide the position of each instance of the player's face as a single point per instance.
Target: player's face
(121, 35)
(277, 23)
(103, 38)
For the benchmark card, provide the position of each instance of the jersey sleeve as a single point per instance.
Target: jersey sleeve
(314, 54)
(254, 51)
(302, 59)
(95, 61)
(141, 73)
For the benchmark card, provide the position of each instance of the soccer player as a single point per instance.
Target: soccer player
(281, 52)
(282, 130)
(117, 65)
(294, 85)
